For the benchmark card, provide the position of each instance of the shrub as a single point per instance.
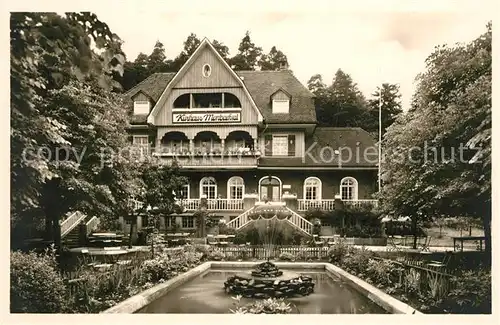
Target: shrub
(101, 290)
(379, 272)
(471, 293)
(356, 260)
(243, 255)
(35, 284)
(216, 256)
(154, 269)
(268, 306)
(285, 256)
(301, 255)
(337, 252)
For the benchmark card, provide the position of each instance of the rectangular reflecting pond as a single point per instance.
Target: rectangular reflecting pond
(205, 294)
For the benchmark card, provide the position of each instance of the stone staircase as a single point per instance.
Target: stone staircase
(295, 220)
(71, 231)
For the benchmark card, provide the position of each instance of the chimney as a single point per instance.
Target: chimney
(283, 65)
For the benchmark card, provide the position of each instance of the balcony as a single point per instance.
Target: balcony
(327, 205)
(212, 204)
(228, 159)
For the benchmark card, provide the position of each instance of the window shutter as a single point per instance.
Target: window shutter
(268, 145)
(291, 145)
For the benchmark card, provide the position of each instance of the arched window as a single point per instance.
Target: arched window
(231, 101)
(235, 188)
(270, 188)
(183, 101)
(312, 188)
(349, 188)
(208, 187)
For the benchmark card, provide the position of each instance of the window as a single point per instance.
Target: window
(230, 101)
(169, 222)
(183, 193)
(235, 188)
(349, 188)
(183, 101)
(208, 187)
(207, 70)
(312, 188)
(280, 145)
(142, 142)
(281, 106)
(141, 107)
(207, 100)
(187, 222)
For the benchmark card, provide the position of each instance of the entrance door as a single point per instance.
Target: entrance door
(270, 189)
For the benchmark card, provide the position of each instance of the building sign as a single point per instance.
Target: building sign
(206, 117)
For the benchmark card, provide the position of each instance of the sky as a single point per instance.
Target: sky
(373, 41)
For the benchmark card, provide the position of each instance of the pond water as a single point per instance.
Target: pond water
(205, 295)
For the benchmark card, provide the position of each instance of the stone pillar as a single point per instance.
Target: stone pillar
(222, 145)
(203, 201)
(249, 201)
(122, 224)
(291, 201)
(157, 148)
(339, 206)
(191, 146)
(139, 223)
(162, 222)
(201, 219)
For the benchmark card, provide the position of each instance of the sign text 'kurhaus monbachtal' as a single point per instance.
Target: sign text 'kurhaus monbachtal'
(206, 117)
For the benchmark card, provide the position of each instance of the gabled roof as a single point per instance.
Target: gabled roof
(262, 84)
(259, 85)
(152, 86)
(204, 43)
(341, 139)
(283, 91)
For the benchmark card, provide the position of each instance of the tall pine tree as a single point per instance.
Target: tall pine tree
(248, 55)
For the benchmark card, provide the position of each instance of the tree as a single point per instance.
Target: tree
(51, 60)
(272, 61)
(222, 49)
(145, 65)
(447, 174)
(190, 45)
(157, 60)
(156, 186)
(316, 85)
(248, 55)
(391, 107)
(341, 104)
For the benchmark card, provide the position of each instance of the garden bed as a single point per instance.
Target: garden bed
(388, 303)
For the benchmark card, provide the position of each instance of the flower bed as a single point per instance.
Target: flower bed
(90, 290)
(466, 292)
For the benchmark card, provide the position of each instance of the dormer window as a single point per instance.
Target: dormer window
(281, 102)
(141, 107)
(281, 106)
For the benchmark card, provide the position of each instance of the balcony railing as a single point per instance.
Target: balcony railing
(360, 203)
(304, 205)
(213, 204)
(210, 160)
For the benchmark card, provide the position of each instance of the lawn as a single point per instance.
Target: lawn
(447, 233)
